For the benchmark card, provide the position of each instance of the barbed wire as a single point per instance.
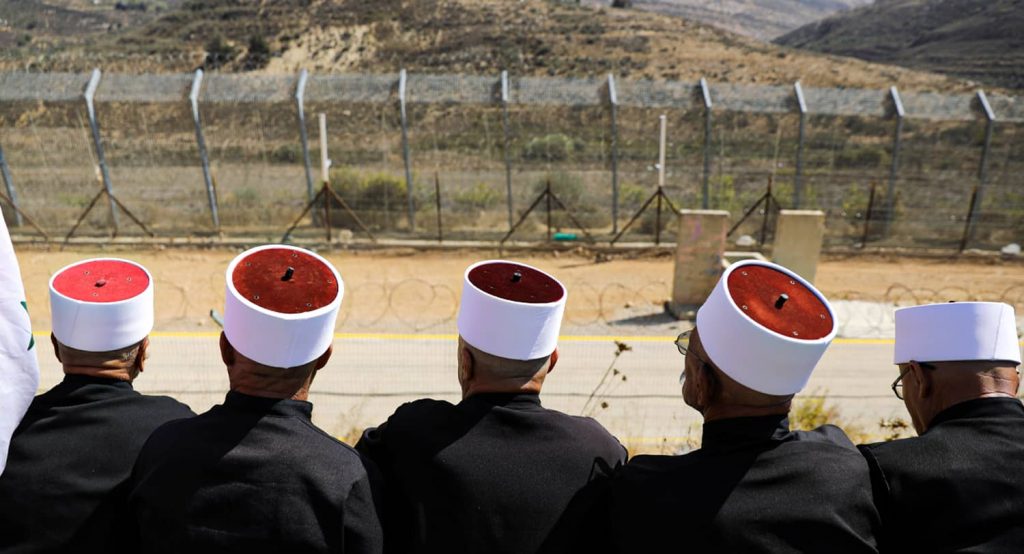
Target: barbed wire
(418, 305)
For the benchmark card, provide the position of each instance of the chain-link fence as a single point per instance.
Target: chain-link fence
(458, 156)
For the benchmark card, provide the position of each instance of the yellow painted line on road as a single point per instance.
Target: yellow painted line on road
(452, 336)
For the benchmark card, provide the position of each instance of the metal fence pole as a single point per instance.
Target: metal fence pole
(402, 81)
(613, 108)
(798, 182)
(706, 97)
(897, 143)
(97, 142)
(204, 157)
(505, 97)
(300, 110)
(990, 121)
(5, 172)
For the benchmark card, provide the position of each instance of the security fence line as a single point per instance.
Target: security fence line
(404, 89)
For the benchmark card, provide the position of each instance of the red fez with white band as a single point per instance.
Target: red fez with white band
(766, 327)
(281, 305)
(957, 331)
(511, 310)
(101, 304)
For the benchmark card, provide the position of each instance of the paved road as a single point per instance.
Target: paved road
(370, 375)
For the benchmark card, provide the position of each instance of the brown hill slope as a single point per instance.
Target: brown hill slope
(760, 19)
(530, 37)
(982, 40)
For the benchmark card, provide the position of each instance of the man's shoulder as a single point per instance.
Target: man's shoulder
(825, 437)
(903, 452)
(157, 405)
(586, 429)
(422, 413)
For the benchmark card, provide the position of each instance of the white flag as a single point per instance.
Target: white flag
(19, 370)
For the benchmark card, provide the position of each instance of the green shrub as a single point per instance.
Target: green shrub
(258, 54)
(569, 188)
(552, 148)
(286, 154)
(861, 156)
(479, 197)
(379, 198)
(218, 52)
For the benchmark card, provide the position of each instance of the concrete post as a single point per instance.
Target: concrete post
(798, 178)
(402, 89)
(798, 238)
(97, 142)
(613, 111)
(507, 127)
(705, 94)
(204, 157)
(897, 141)
(700, 245)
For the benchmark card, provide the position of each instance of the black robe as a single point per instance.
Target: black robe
(492, 474)
(754, 486)
(69, 460)
(251, 475)
(959, 487)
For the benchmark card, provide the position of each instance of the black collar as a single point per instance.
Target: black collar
(74, 380)
(513, 400)
(237, 401)
(745, 431)
(996, 407)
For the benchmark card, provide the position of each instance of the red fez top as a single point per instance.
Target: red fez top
(101, 281)
(517, 283)
(285, 281)
(780, 303)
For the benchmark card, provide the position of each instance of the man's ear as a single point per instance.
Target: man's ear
(554, 360)
(924, 380)
(227, 352)
(140, 358)
(466, 361)
(322, 360)
(56, 347)
(705, 384)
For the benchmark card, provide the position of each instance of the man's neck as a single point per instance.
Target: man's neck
(119, 374)
(731, 411)
(503, 387)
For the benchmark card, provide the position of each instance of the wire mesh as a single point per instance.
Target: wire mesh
(558, 129)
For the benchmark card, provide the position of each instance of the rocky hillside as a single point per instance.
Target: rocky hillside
(527, 37)
(761, 19)
(981, 40)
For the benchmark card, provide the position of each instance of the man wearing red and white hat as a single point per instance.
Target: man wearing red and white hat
(754, 485)
(74, 449)
(495, 472)
(959, 485)
(254, 474)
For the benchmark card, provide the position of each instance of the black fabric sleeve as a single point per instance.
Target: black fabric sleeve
(881, 495)
(585, 526)
(362, 528)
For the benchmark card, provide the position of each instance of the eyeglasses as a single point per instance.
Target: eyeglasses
(683, 344)
(683, 341)
(897, 385)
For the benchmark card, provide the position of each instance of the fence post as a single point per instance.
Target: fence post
(300, 110)
(97, 142)
(706, 190)
(613, 107)
(5, 172)
(990, 121)
(505, 97)
(897, 143)
(798, 184)
(204, 157)
(402, 81)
